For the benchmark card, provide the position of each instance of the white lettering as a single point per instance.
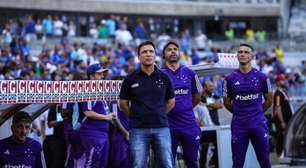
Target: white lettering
(16, 166)
(247, 97)
(181, 91)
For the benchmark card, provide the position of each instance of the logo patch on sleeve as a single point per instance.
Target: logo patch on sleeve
(7, 152)
(135, 85)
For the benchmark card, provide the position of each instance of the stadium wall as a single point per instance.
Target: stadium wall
(177, 8)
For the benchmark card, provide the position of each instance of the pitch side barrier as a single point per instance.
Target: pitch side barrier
(37, 91)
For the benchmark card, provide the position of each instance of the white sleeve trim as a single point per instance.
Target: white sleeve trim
(269, 85)
(224, 93)
(198, 83)
(89, 105)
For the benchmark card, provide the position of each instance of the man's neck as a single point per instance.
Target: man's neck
(281, 87)
(207, 93)
(147, 69)
(245, 68)
(16, 140)
(173, 65)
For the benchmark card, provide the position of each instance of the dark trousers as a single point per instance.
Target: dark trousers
(214, 116)
(189, 141)
(208, 137)
(55, 152)
(279, 138)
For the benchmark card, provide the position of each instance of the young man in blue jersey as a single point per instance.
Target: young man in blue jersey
(243, 93)
(187, 88)
(94, 128)
(18, 150)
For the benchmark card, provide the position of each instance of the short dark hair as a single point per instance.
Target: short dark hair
(22, 116)
(144, 44)
(168, 43)
(79, 76)
(247, 45)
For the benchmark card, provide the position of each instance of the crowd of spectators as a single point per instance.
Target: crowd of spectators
(114, 41)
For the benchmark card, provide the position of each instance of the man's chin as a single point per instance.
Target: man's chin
(148, 64)
(243, 63)
(173, 61)
(22, 139)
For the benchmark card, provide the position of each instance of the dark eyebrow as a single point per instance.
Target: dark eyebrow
(147, 50)
(171, 48)
(244, 51)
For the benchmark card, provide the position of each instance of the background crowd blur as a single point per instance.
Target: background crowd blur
(35, 48)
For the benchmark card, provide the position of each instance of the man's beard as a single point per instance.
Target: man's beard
(244, 63)
(173, 59)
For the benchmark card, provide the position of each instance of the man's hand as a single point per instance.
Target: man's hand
(127, 136)
(284, 127)
(111, 116)
(228, 104)
(170, 104)
(38, 132)
(124, 106)
(216, 105)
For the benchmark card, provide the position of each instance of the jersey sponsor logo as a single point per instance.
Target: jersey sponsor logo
(181, 91)
(16, 166)
(247, 97)
(237, 83)
(266, 135)
(135, 85)
(7, 152)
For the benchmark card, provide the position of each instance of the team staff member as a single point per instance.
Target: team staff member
(282, 112)
(94, 128)
(213, 103)
(146, 96)
(119, 150)
(187, 88)
(243, 94)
